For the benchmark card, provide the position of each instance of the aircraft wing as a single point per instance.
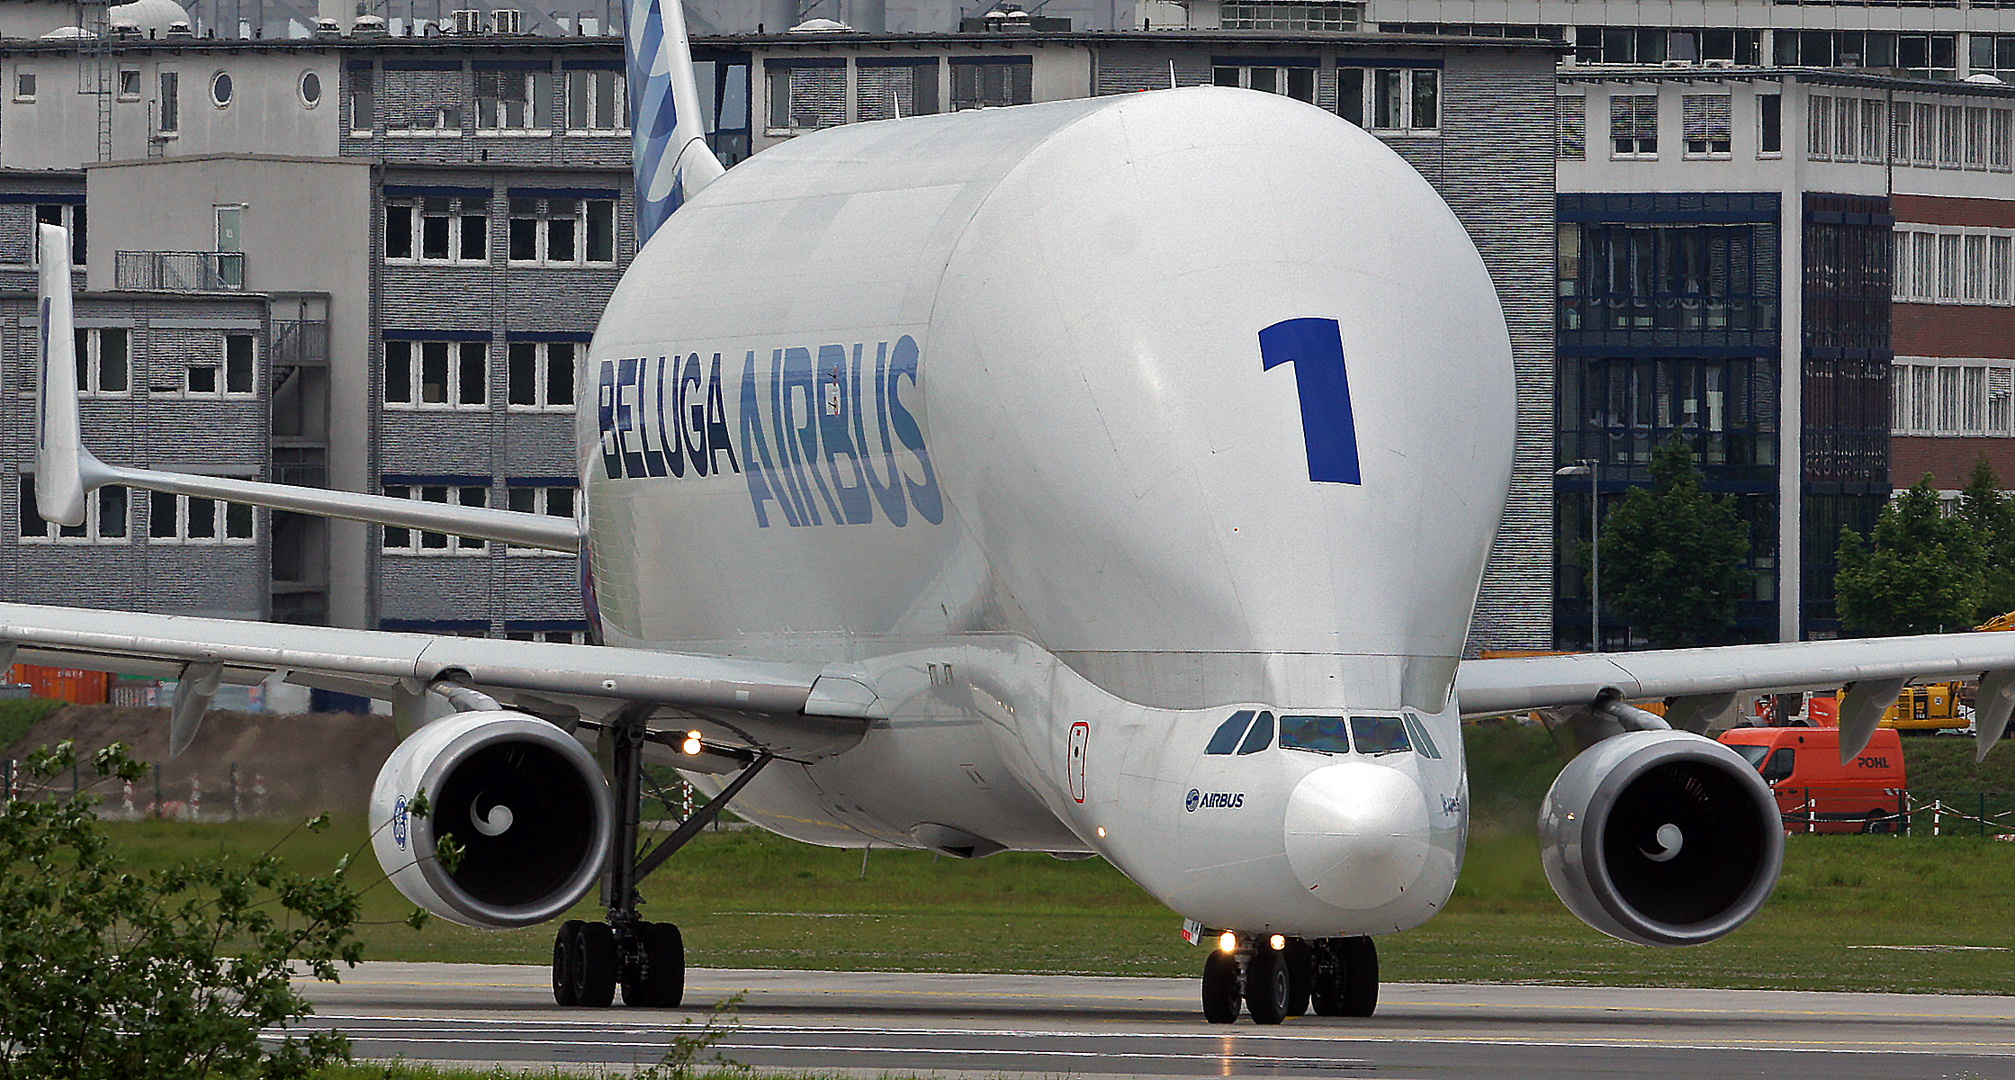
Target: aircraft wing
(797, 711)
(1697, 682)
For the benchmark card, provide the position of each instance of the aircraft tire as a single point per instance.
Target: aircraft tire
(1268, 986)
(1300, 976)
(662, 983)
(1220, 988)
(1360, 976)
(595, 965)
(564, 949)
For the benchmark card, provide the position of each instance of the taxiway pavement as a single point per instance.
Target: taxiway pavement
(872, 1023)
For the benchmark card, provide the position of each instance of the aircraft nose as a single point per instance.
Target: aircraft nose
(1357, 834)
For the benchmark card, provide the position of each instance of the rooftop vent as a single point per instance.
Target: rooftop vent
(468, 22)
(509, 20)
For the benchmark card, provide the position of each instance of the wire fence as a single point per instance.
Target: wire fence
(1916, 812)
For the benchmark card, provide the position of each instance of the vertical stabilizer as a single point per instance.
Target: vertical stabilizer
(64, 470)
(668, 130)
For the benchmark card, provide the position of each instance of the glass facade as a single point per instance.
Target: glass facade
(1668, 324)
(1848, 282)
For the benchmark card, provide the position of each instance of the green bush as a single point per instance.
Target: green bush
(107, 974)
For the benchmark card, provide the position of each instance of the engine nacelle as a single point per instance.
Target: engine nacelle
(525, 801)
(1661, 838)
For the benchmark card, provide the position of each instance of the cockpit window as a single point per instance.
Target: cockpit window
(1379, 734)
(1260, 737)
(1228, 733)
(1322, 734)
(1422, 741)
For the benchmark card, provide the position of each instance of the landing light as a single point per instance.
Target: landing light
(1278, 942)
(1101, 832)
(692, 744)
(1227, 942)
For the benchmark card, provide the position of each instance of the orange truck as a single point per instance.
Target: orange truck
(1815, 792)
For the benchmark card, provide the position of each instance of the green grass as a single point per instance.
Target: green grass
(19, 715)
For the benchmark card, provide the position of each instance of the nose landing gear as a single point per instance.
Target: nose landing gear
(1333, 976)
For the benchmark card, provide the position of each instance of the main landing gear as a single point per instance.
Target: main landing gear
(1277, 977)
(647, 959)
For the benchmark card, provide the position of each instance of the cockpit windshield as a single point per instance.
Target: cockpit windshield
(1321, 734)
(1379, 734)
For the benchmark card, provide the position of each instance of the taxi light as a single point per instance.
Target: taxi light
(1227, 942)
(1278, 942)
(1101, 832)
(692, 744)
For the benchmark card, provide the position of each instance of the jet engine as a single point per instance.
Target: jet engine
(1661, 838)
(525, 802)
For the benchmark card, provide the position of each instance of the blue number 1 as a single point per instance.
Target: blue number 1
(1315, 349)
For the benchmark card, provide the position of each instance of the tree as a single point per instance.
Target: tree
(1673, 556)
(1919, 572)
(167, 975)
(1991, 512)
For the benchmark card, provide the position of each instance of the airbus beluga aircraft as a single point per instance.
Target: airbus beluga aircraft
(1103, 478)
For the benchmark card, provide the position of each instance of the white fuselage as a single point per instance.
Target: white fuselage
(979, 405)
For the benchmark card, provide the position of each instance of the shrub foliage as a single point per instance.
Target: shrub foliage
(169, 974)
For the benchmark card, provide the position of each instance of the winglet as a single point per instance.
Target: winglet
(668, 131)
(64, 470)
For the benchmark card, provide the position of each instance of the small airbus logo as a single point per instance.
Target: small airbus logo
(1213, 800)
(399, 823)
(1314, 348)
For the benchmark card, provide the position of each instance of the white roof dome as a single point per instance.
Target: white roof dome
(148, 16)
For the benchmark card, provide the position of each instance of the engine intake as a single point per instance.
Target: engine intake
(526, 803)
(1661, 838)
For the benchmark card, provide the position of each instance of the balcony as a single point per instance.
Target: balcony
(179, 271)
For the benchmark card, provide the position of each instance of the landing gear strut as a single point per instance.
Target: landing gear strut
(1334, 976)
(647, 959)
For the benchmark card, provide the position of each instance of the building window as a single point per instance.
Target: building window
(170, 103)
(1707, 124)
(186, 519)
(129, 83)
(596, 101)
(514, 100)
(1694, 278)
(104, 365)
(1846, 128)
(70, 216)
(106, 518)
(809, 98)
(24, 86)
(437, 375)
(1951, 132)
(1769, 125)
(542, 375)
(221, 89)
(550, 498)
(1295, 82)
(555, 637)
(562, 231)
(438, 228)
(1924, 147)
(1936, 264)
(311, 89)
(1392, 99)
(1633, 125)
(1975, 145)
(362, 101)
(887, 92)
(234, 373)
(420, 542)
(1952, 397)
(1570, 128)
(1819, 127)
(1289, 15)
(1874, 131)
(1002, 81)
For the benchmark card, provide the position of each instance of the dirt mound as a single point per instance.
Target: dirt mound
(285, 764)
